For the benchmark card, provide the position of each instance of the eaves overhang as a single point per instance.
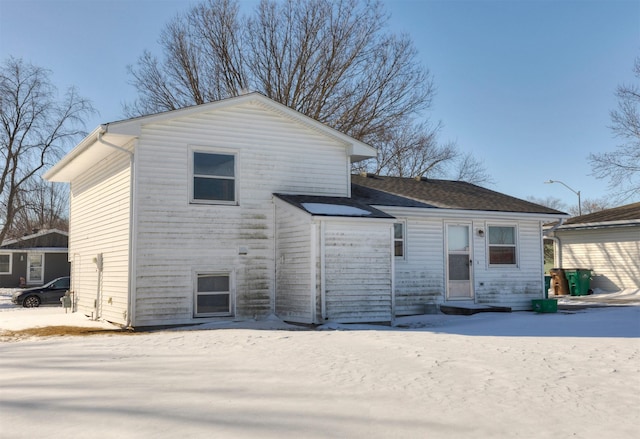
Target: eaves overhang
(92, 149)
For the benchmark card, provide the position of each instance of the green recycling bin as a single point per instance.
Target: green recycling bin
(547, 286)
(579, 281)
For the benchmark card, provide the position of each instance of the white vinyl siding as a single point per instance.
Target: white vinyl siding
(612, 253)
(295, 264)
(510, 285)
(99, 224)
(357, 271)
(275, 155)
(420, 277)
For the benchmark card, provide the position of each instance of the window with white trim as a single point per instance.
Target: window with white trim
(398, 240)
(5, 263)
(502, 245)
(213, 295)
(213, 177)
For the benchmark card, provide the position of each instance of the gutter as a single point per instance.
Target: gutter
(103, 130)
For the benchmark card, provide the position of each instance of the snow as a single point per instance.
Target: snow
(334, 209)
(575, 373)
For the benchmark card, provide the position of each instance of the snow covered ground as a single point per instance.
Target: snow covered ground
(574, 373)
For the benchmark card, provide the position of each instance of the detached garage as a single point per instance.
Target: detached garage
(606, 242)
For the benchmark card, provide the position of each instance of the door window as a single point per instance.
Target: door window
(35, 268)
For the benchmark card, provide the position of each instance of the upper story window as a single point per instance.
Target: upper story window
(5, 263)
(502, 245)
(214, 177)
(398, 240)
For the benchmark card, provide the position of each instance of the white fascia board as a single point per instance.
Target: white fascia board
(600, 225)
(87, 153)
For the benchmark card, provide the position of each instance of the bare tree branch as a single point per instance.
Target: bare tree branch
(622, 166)
(35, 129)
(334, 61)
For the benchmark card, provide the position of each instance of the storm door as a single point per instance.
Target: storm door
(35, 268)
(459, 262)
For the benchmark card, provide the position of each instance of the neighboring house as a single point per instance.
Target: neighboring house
(606, 242)
(34, 259)
(244, 208)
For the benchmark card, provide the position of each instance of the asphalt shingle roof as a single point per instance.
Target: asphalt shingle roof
(444, 194)
(621, 213)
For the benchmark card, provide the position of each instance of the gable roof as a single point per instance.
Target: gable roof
(51, 238)
(442, 194)
(116, 135)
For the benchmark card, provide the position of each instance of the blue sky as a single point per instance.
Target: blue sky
(527, 86)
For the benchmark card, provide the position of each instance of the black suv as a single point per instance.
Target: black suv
(48, 293)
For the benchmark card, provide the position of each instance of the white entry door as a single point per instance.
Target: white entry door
(459, 262)
(35, 268)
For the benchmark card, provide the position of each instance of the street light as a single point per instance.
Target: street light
(575, 192)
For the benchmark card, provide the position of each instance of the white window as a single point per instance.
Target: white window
(213, 177)
(5, 263)
(213, 295)
(502, 245)
(399, 240)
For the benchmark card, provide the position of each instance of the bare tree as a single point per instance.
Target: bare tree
(588, 205)
(331, 60)
(550, 202)
(35, 129)
(468, 168)
(44, 206)
(591, 205)
(622, 166)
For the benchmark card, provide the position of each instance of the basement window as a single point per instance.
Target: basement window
(213, 295)
(502, 246)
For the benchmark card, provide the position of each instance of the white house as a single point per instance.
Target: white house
(244, 207)
(606, 242)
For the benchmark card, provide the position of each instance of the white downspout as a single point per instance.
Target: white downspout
(557, 260)
(323, 285)
(132, 234)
